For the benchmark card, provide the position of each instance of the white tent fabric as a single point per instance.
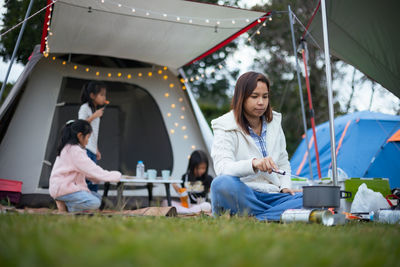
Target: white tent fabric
(168, 33)
(365, 34)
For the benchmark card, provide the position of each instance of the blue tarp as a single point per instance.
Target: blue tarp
(363, 152)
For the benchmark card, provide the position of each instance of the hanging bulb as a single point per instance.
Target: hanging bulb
(133, 10)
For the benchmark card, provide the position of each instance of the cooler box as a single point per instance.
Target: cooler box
(376, 184)
(10, 189)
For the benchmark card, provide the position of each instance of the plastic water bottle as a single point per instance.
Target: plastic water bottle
(140, 170)
(385, 216)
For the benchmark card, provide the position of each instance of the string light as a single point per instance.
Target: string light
(166, 95)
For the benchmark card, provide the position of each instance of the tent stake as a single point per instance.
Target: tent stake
(300, 91)
(21, 32)
(329, 87)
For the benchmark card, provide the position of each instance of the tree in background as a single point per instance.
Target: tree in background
(275, 59)
(33, 32)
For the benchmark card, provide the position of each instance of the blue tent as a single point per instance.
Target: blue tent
(364, 147)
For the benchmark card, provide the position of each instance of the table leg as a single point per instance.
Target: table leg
(120, 190)
(105, 194)
(150, 191)
(168, 194)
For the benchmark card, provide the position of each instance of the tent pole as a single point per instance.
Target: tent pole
(329, 87)
(21, 32)
(300, 91)
(312, 114)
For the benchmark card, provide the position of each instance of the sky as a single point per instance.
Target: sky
(383, 100)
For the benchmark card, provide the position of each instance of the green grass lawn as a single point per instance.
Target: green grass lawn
(54, 240)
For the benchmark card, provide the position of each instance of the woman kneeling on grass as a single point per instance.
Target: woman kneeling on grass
(249, 144)
(72, 165)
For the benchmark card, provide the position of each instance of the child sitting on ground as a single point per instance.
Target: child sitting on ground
(197, 183)
(72, 165)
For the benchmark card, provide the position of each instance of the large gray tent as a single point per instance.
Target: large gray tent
(364, 34)
(137, 48)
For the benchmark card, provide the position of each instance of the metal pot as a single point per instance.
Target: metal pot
(322, 196)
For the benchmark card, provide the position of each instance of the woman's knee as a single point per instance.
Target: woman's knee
(224, 184)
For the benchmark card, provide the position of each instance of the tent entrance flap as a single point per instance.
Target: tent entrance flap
(131, 129)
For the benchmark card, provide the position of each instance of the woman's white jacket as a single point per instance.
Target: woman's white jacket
(233, 151)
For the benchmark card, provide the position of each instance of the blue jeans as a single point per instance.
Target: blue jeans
(81, 200)
(228, 193)
(92, 187)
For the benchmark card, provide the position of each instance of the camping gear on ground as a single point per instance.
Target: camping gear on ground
(385, 216)
(10, 190)
(323, 196)
(376, 184)
(366, 200)
(324, 217)
(367, 147)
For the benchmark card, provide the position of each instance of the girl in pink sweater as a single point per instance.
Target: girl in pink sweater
(72, 165)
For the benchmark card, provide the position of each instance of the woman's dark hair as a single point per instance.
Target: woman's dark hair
(91, 87)
(70, 131)
(197, 157)
(245, 86)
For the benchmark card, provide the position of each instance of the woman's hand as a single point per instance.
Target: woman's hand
(264, 164)
(290, 191)
(98, 155)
